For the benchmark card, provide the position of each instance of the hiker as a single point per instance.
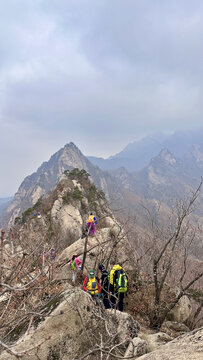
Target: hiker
(75, 264)
(52, 254)
(91, 284)
(118, 286)
(105, 286)
(91, 223)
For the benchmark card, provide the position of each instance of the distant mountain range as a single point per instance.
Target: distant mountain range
(138, 154)
(165, 177)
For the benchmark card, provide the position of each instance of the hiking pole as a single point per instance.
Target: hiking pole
(85, 253)
(11, 240)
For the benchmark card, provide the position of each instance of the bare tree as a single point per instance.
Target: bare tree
(167, 252)
(25, 290)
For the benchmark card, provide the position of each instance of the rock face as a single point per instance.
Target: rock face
(99, 249)
(181, 311)
(76, 327)
(68, 218)
(136, 348)
(176, 327)
(186, 347)
(64, 213)
(155, 340)
(49, 173)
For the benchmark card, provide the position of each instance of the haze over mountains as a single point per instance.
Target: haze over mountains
(138, 154)
(165, 176)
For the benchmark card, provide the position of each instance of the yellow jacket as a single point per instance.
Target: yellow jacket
(91, 284)
(91, 219)
(115, 267)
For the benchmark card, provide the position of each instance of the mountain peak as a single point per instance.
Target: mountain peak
(166, 155)
(197, 152)
(47, 176)
(71, 146)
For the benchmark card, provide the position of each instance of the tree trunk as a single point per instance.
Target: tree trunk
(85, 253)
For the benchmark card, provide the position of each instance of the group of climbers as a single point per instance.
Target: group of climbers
(111, 286)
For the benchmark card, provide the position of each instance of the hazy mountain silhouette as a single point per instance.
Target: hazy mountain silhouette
(135, 156)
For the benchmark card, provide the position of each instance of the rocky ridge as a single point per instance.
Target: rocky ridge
(69, 325)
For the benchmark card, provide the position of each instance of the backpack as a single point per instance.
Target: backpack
(121, 281)
(91, 219)
(92, 285)
(73, 264)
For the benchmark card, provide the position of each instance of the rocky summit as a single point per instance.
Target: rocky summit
(47, 176)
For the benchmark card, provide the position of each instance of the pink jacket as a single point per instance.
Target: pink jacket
(77, 262)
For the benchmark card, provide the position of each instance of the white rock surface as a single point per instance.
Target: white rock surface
(69, 330)
(181, 311)
(136, 348)
(185, 347)
(155, 340)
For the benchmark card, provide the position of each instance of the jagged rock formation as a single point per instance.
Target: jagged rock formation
(165, 178)
(64, 213)
(48, 175)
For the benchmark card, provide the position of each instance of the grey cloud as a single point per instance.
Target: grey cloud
(94, 71)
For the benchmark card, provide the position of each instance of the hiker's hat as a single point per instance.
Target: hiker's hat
(91, 272)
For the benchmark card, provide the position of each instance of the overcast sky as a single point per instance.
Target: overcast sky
(100, 73)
